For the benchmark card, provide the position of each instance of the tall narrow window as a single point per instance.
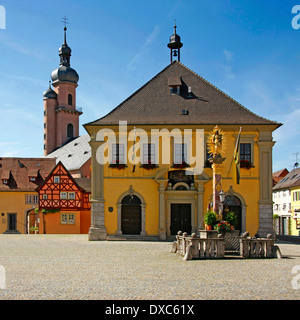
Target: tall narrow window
(70, 100)
(149, 153)
(245, 151)
(180, 153)
(70, 131)
(117, 153)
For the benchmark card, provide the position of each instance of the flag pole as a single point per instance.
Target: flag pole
(133, 155)
(234, 151)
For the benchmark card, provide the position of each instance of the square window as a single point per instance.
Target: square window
(64, 218)
(72, 195)
(56, 179)
(63, 195)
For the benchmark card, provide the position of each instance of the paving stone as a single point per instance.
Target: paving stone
(58, 267)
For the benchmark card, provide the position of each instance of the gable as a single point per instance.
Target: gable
(153, 103)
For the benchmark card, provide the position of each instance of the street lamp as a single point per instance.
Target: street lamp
(222, 195)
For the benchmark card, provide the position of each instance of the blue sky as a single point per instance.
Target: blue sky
(246, 48)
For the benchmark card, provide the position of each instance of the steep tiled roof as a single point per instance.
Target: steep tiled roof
(17, 172)
(278, 175)
(73, 154)
(154, 104)
(290, 180)
(84, 183)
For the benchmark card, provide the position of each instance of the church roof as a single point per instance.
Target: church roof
(74, 154)
(153, 103)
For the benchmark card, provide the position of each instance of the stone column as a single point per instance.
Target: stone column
(200, 204)
(162, 211)
(119, 218)
(143, 209)
(97, 230)
(265, 144)
(217, 181)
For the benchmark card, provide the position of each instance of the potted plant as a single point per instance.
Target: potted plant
(222, 227)
(246, 164)
(149, 165)
(210, 218)
(231, 218)
(117, 165)
(180, 165)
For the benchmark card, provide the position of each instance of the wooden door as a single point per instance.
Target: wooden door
(131, 219)
(180, 218)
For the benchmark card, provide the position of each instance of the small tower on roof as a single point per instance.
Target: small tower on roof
(175, 45)
(61, 117)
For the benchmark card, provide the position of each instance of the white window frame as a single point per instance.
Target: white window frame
(145, 151)
(72, 195)
(56, 179)
(67, 218)
(178, 152)
(63, 195)
(117, 156)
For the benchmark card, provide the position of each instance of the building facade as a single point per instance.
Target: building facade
(64, 203)
(136, 191)
(18, 196)
(285, 204)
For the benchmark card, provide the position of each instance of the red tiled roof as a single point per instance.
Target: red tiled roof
(18, 171)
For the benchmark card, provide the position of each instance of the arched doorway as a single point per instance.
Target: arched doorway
(131, 215)
(233, 203)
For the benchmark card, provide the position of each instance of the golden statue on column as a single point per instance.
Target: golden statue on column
(216, 139)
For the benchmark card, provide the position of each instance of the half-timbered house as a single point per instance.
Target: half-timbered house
(64, 205)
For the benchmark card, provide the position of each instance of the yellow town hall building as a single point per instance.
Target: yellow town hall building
(137, 192)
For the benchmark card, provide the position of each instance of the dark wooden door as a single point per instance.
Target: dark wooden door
(180, 218)
(12, 221)
(131, 219)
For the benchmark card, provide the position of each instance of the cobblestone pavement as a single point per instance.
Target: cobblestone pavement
(56, 267)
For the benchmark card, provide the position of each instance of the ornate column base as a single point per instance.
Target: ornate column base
(162, 235)
(265, 220)
(96, 234)
(97, 230)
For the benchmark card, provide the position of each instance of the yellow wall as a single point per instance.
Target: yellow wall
(14, 202)
(116, 182)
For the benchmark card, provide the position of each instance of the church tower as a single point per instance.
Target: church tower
(61, 118)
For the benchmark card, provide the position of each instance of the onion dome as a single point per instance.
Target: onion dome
(64, 71)
(49, 93)
(175, 41)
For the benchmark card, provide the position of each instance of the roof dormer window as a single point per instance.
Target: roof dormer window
(174, 83)
(175, 90)
(4, 181)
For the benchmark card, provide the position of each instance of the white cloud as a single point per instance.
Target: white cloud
(228, 55)
(132, 64)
